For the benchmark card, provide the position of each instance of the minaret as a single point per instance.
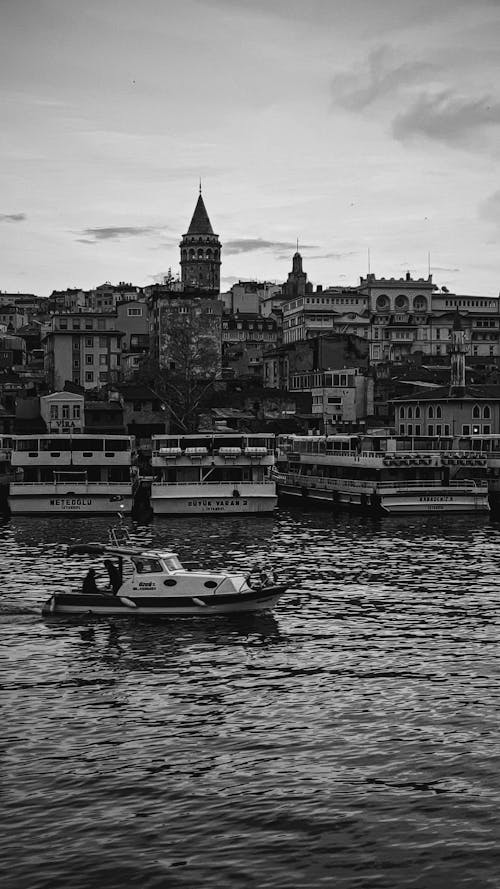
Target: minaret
(457, 357)
(200, 254)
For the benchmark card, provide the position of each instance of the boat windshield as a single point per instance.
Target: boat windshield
(172, 563)
(148, 566)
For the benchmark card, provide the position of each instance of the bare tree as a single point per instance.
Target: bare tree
(188, 366)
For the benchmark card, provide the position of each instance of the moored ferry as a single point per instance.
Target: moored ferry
(387, 474)
(213, 473)
(77, 474)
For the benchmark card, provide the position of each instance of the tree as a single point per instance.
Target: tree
(189, 361)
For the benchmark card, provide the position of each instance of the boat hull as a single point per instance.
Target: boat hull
(395, 502)
(76, 504)
(162, 606)
(222, 503)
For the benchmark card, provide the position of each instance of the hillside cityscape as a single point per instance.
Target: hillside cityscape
(291, 357)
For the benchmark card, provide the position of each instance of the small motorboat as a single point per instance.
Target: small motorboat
(144, 582)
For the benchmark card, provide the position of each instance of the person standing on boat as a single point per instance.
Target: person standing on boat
(90, 587)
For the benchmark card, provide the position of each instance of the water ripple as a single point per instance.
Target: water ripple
(350, 739)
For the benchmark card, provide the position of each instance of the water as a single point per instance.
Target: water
(348, 740)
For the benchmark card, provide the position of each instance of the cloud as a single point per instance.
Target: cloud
(446, 117)
(12, 217)
(355, 89)
(114, 232)
(333, 255)
(489, 210)
(247, 245)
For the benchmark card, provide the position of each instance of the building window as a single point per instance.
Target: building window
(439, 429)
(76, 412)
(466, 429)
(134, 311)
(76, 324)
(103, 359)
(89, 359)
(438, 412)
(103, 342)
(89, 341)
(402, 413)
(417, 413)
(410, 413)
(89, 376)
(430, 430)
(101, 324)
(65, 411)
(103, 376)
(486, 412)
(417, 429)
(431, 412)
(54, 412)
(63, 324)
(410, 429)
(486, 429)
(476, 412)
(88, 324)
(76, 362)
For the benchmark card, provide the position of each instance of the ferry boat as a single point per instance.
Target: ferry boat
(153, 583)
(213, 473)
(385, 474)
(77, 474)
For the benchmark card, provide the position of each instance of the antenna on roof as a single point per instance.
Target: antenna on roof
(369, 265)
(200, 184)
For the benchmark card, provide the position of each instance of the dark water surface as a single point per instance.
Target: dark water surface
(348, 740)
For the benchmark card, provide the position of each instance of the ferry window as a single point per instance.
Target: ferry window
(476, 413)
(117, 444)
(26, 444)
(486, 412)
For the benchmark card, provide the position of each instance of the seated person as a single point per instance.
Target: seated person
(89, 585)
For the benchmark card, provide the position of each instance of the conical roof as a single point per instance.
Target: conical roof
(200, 223)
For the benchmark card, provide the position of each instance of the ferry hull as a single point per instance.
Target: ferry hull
(423, 501)
(195, 504)
(77, 504)
(160, 606)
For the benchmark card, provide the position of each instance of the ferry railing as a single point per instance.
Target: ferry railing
(333, 484)
(73, 484)
(214, 484)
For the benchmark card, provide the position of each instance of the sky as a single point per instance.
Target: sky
(367, 129)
